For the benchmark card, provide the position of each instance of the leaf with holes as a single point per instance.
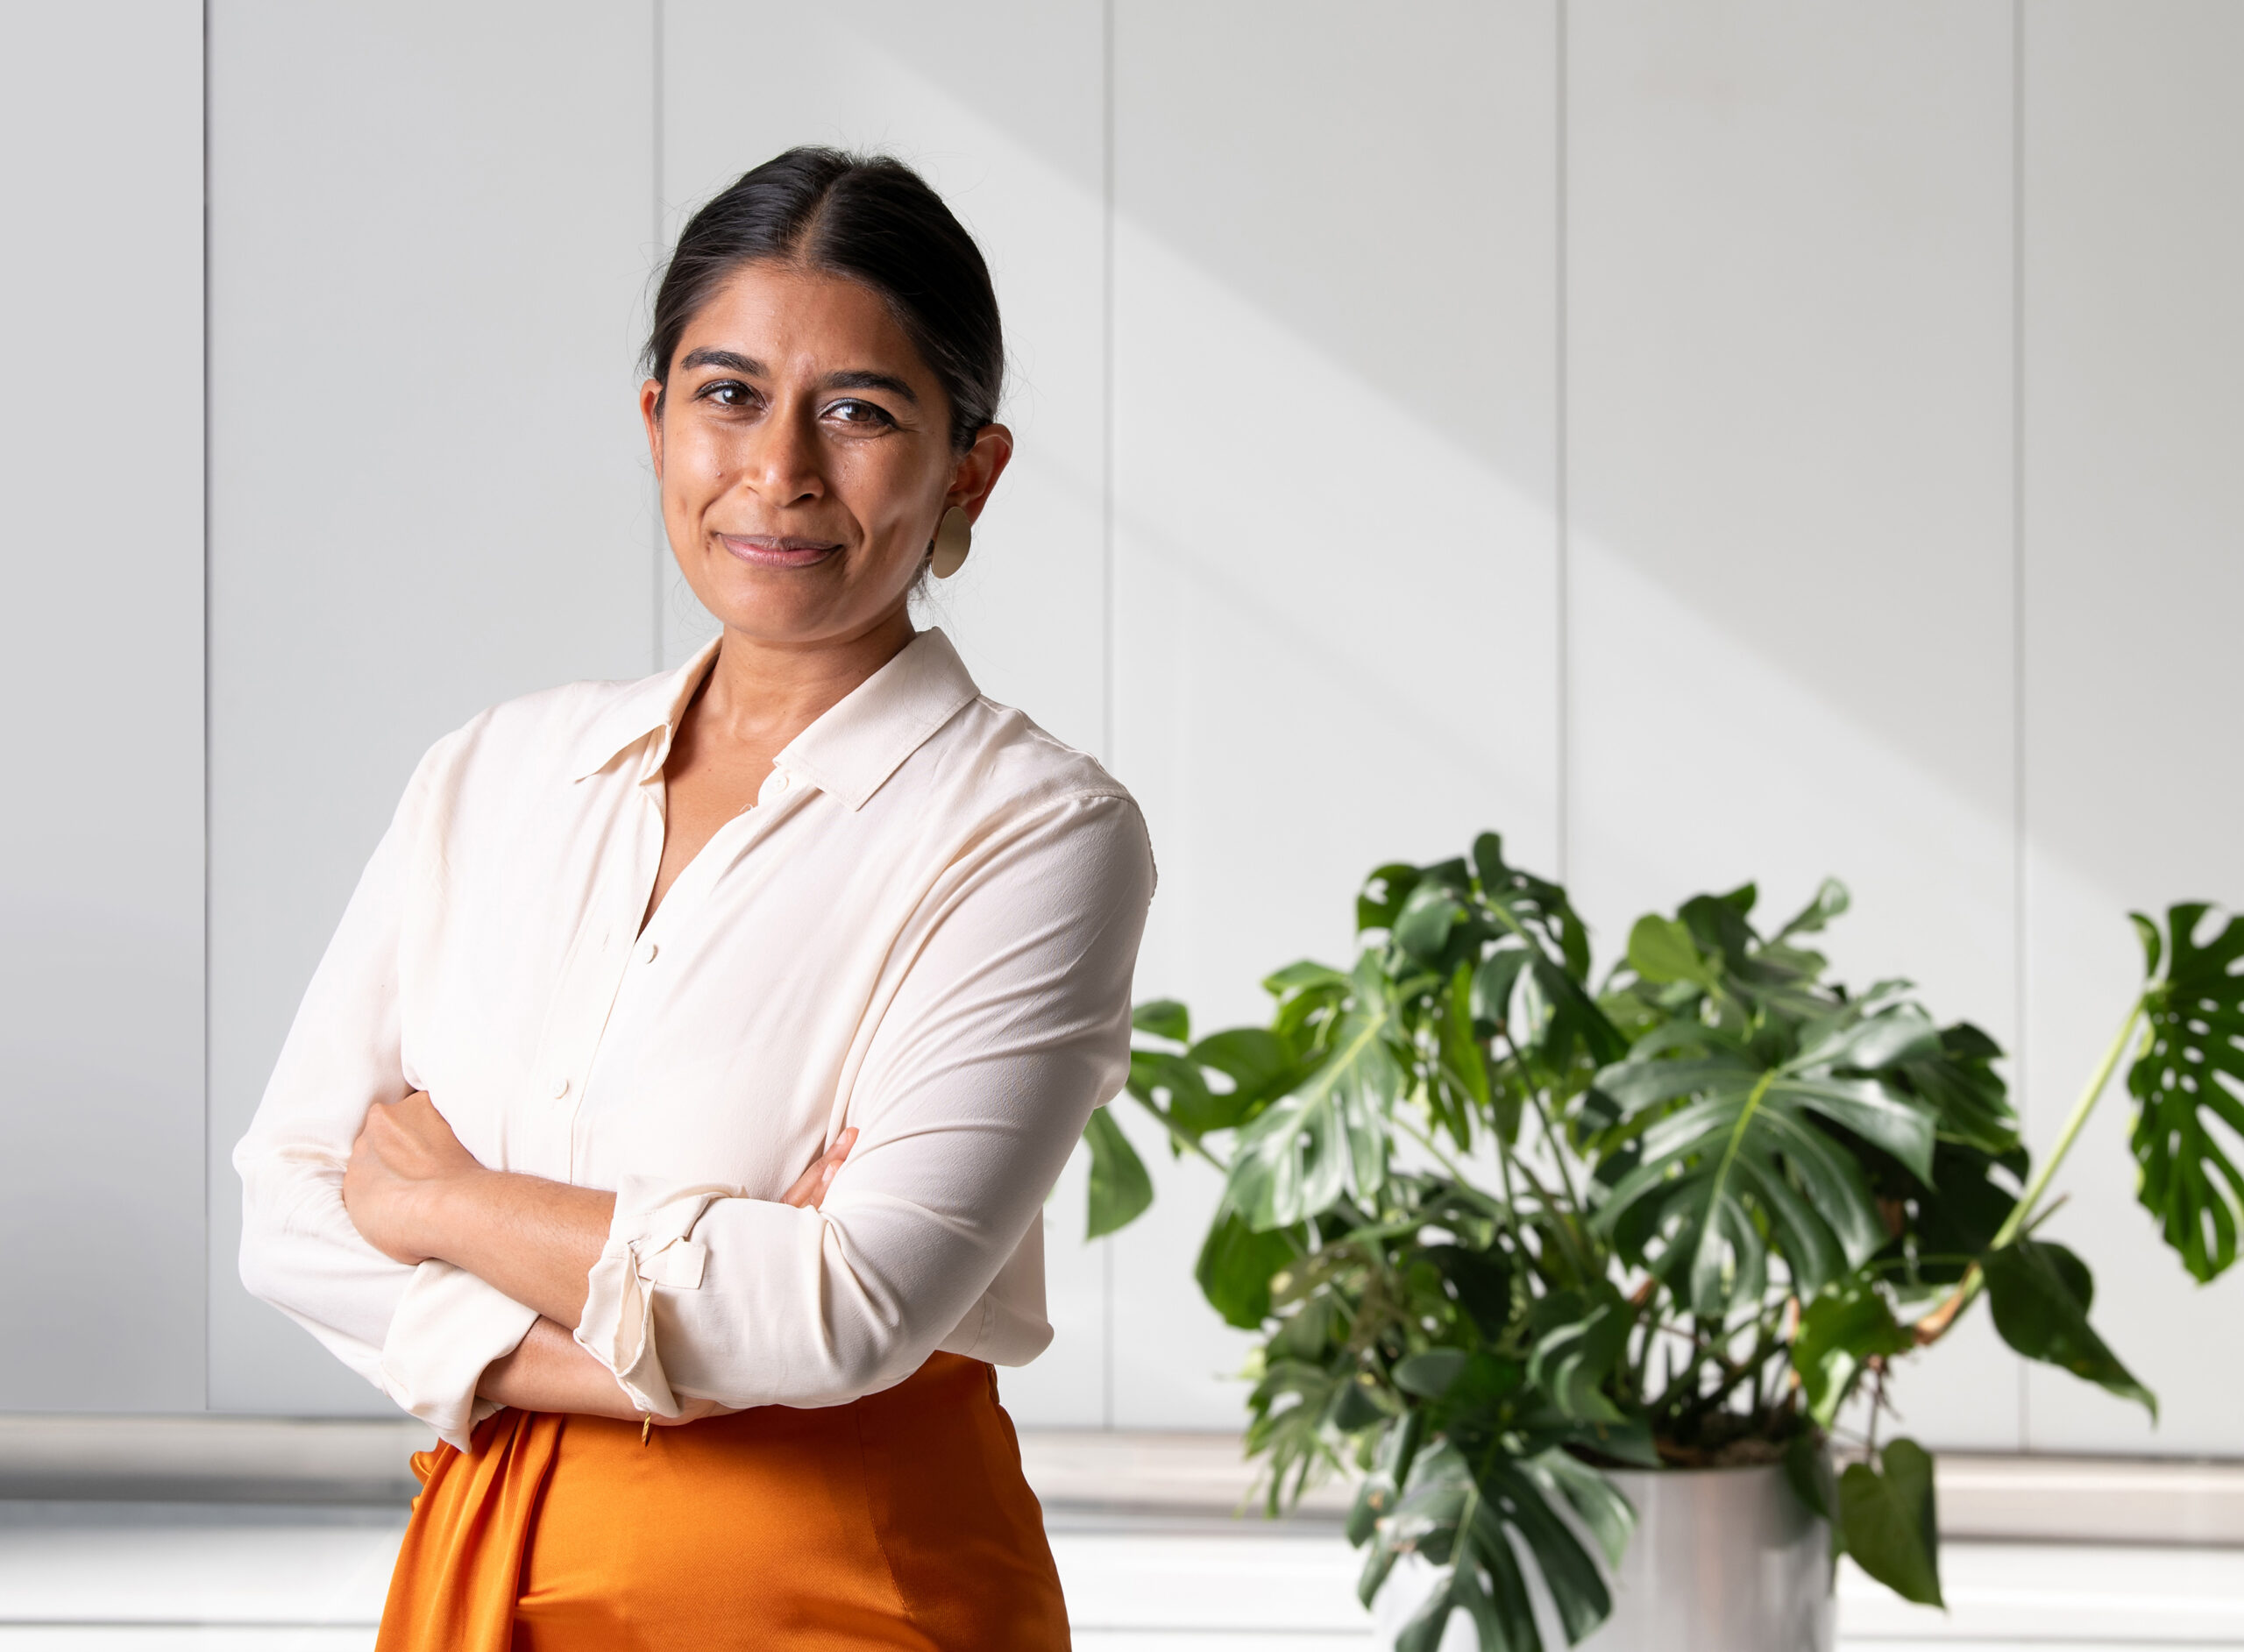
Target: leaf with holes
(2188, 1081)
(1301, 1153)
(1463, 1525)
(1741, 1167)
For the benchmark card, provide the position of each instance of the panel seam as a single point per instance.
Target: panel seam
(1561, 457)
(208, 1144)
(1107, 634)
(2019, 870)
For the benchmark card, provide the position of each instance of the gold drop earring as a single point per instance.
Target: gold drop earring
(952, 540)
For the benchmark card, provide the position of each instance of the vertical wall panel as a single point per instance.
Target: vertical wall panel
(101, 680)
(430, 230)
(1335, 550)
(1005, 120)
(1791, 479)
(2134, 585)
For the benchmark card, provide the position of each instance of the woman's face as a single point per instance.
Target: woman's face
(805, 456)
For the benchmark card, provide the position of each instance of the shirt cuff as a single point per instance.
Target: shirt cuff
(649, 1244)
(449, 1326)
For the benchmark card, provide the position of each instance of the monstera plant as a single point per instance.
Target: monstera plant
(1500, 1225)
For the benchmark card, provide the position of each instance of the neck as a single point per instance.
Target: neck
(764, 693)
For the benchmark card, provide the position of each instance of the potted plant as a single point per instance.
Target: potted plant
(1521, 1251)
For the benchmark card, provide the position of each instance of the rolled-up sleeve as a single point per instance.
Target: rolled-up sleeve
(422, 1335)
(1008, 1023)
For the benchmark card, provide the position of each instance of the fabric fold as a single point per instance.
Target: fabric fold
(650, 1244)
(448, 1327)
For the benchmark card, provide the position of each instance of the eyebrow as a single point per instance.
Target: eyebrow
(853, 379)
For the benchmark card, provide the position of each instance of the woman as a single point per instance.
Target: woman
(669, 1122)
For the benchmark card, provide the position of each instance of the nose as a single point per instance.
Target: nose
(781, 462)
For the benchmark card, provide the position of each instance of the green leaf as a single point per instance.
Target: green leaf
(2186, 1084)
(1236, 1267)
(1880, 1114)
(1480, 1282)
(1375, 1498)
(1164, 1018)
(1839, 1333)
(2040, 1294)
(1739, 1168)
(1808, 1471)
(1970, 1102)
(1383, 894)
(1172, 1089)
(1571, 1360)
(1462, 1525)
(1889, 1524)
(1462, 1061)
(1258, 1063)
(1610, 1517)
(1830, 900)
(1120, 1190)
(1422, 928)
(1430, 1374)
(1869, 1042)
(2153, 946)
(1661, 950)
(1297, 1157)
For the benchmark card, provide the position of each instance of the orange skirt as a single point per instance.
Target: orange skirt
(900, 1520)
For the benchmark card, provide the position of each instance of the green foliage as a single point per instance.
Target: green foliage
(1840, 1332)
(1499, 1228)
(2186, 1081)
(1120, 1189)
(1888, 1523)
(2040, 1294)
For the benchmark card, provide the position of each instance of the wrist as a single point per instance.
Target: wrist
(438, 1211)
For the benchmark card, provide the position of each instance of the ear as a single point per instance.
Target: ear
(979, 467)
(650, 412)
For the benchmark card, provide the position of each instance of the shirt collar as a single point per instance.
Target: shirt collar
(849, 751)
(651, 705)
(853, 750)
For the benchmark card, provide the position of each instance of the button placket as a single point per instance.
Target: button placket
(588, 991)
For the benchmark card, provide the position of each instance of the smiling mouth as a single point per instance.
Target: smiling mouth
(772, 550)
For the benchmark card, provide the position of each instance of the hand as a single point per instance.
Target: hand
(809, 1191)
(405, 1156)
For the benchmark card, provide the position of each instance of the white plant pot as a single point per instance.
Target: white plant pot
(1723, 1560)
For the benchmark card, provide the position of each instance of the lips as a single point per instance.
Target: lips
(775, 550)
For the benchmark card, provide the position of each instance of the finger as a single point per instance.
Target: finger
(811, 1186)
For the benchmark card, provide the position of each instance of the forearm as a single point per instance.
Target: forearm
(548, 1371)
(534, 1239)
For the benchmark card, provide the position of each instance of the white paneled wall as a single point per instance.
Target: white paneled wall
(431, 226)
(1789, 394)
(1748, 439)
(2134, 419)
(100, 698)
(1336, 554)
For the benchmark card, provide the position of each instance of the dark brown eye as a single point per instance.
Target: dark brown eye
(852, 411)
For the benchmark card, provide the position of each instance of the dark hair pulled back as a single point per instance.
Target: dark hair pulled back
(869, 218)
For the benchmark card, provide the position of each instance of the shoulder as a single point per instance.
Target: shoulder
(1020, 782)
(551, 736)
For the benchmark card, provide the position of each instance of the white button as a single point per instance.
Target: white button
(560, 1087)
(778, 781)
(647, 953)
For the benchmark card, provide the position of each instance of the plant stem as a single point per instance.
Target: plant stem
(1934, 1325)
(1182, 1136)
(2023, 1210)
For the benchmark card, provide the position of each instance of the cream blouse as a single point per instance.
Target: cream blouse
(925, 927)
